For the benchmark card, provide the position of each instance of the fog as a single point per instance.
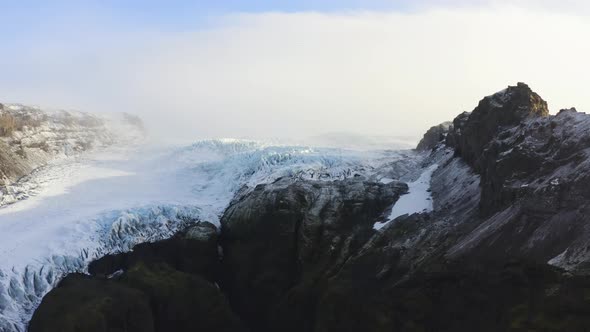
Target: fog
(299, 75)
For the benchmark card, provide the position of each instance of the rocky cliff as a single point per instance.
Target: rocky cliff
(167, 286)
(277, 242)
(434, 136)
(505, 247)
(31, 137)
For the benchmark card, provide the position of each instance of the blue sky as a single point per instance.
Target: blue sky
(37, 20)
(162, 10)
(33, 20)
(178, 13)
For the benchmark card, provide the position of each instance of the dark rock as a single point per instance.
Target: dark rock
(534, 180)
(162, 286)
(508, 108)
(281, 240)
(434, 136)
(534, 193)
(460, 297)
(193, 251)
(181, 301)
(83, 303)
(566, 110)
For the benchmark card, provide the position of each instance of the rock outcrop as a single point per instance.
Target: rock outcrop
(163, 286)
(471, 132)
(31, 137)
(434, 136)
(283, 241)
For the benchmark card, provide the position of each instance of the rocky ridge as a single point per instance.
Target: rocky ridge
(31, 137)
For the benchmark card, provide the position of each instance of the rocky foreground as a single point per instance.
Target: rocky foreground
(504, 249)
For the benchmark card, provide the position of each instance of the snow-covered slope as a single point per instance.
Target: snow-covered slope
(417, 200)
(31, 138)
(114, 198)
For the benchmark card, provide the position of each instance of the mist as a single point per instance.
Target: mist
(305, 74)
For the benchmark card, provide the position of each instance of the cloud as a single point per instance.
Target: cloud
(303, 74)
(579, 7)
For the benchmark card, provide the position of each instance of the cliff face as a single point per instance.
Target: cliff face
(533, 174)
(534, 196)
(434, 136)
(505, 247)
(31, 137)
(471, 132)
(167, 286)
(283, 241)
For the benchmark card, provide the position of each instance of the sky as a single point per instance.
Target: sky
(290, 69)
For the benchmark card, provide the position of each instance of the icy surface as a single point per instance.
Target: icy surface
(108, 201)
(418, 199)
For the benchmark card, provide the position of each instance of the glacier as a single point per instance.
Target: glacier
(77, 209)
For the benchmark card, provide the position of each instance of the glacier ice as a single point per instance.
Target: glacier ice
(79, 209)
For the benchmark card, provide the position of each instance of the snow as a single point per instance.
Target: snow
(417, 200)
(386, 180)
(81, 208)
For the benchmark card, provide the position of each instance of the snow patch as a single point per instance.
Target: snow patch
(417, 200)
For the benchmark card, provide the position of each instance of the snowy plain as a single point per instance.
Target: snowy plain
(109, 200)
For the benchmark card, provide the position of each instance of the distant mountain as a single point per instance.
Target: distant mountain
(31, 137)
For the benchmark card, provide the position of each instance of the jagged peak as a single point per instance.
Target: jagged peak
(519, 99)
(434, 136)
(471, 132)
(567, 110)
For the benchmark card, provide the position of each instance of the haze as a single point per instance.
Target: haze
(272, 70)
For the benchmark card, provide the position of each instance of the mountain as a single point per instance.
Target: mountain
(482, 228)
(31, 138)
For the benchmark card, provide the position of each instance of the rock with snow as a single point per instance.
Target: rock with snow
(418, 199)
(282, 236)
(532, 172)
(434, 136)
(31, 138)
(167, 285)
(472, 132)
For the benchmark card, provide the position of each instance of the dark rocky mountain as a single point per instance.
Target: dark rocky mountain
(434, 136)
(504, 249)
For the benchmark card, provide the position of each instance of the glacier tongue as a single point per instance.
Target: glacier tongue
(79, 209)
